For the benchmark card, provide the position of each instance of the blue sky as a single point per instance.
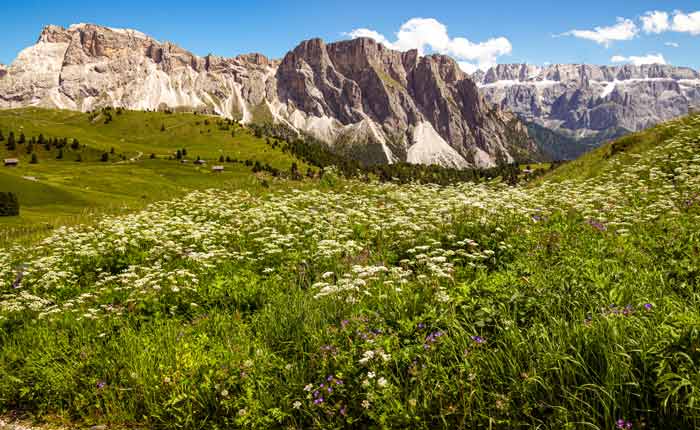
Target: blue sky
(478, 33)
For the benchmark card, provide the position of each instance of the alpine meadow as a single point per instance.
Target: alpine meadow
(363, 234)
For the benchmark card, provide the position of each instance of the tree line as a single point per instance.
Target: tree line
(318, 154)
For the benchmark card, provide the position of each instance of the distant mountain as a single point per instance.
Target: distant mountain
(377, 104)
(591, 104)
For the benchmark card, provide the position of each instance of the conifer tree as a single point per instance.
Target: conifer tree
(11, 145)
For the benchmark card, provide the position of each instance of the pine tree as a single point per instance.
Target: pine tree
(178, 155)
(184, 152)
(34, 159)
(104, 158)
(30, 148)
(162, 127)
(11, 142)
(221, 159)
(75, 145)
(79, 158)
(153, 156)
(60, 154)
(21, 139)
(1, 136)
(111, 151)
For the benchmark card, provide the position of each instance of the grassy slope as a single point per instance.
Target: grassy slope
(66, 192)
(623, 151)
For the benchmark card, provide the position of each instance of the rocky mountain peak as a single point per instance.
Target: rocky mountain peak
(54, 34)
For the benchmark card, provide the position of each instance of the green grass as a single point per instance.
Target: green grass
(66, 192)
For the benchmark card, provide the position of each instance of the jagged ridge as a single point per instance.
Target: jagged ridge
(385, 105)
(586, 101)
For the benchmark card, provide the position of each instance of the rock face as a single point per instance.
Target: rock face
(376, 104)
(585, 101)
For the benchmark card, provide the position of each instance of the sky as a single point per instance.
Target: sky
(478, 34)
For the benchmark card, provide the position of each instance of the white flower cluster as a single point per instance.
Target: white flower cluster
(171, 246)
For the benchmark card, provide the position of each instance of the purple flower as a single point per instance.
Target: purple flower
(623, 424)
(597, 225)
(421, 326)
(478, 340)
(343, 411)
(318, 401)
(648, 306)
(101, 384)
(316, 393)
(330, 390)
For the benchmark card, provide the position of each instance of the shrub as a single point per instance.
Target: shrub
(9, 204)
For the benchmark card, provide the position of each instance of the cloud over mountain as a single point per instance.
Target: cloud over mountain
(429, 35)
(640, 60)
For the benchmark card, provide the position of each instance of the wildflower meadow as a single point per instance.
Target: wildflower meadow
(569, 302)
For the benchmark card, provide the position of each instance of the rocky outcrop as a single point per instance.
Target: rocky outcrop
(383, 105)
(586, 101)
(403, 99)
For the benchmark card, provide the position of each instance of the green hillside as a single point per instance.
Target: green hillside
(625, 151)
(141, 167)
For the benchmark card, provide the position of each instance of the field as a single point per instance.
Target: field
(57, 192)
(571, 302)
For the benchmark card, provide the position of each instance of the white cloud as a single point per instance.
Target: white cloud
(365, 32)
(419, 33)
(687, 23)
(430, 35)
(655, 22)
(468, 67)
(638, 61)
(625, 29)
(672, 45)
(658, 22)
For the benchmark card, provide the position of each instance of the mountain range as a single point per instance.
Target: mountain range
(358, 96)
(579, 105)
